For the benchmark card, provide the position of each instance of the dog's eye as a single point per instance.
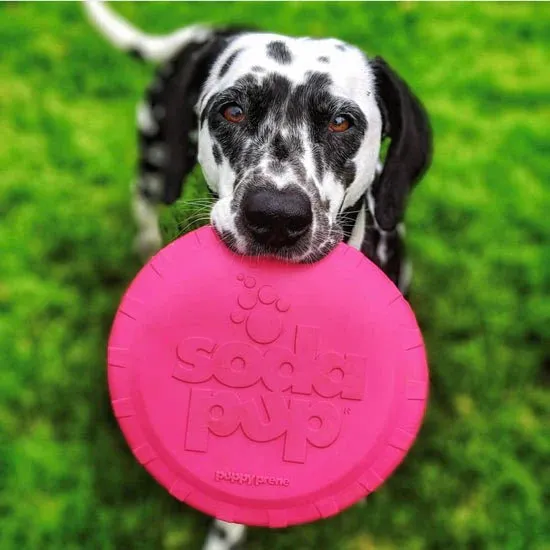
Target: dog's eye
(233, 113)
(340, 123)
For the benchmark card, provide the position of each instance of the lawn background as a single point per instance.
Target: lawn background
(478, 232)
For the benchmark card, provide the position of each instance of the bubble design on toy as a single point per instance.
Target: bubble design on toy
(261, 310)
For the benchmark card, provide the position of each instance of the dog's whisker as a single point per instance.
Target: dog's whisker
(194, 215)
(192, 223)
(194, 218)
(195, 210)
(193, 203)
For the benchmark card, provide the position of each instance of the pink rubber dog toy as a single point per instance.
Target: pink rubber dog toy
(262, 392)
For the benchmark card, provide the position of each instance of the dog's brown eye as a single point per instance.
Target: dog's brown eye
(233, 113)
(339, 123)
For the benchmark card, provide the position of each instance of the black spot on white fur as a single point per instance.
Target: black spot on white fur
(225, 536)
(280, 148)
(229, 62)
(279, 51)
(323, 59)
(219, 531)
(217, 154)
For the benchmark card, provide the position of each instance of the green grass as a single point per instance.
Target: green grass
(479, 234)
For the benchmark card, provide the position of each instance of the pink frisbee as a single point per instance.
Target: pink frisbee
(262, 392)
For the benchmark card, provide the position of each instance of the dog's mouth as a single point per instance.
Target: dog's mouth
(299, 246)
(286, 223)
(308, 251)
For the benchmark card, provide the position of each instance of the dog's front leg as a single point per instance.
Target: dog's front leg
(148, 240)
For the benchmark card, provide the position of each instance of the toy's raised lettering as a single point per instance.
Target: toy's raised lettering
(301, 421)
(289, 407)
(302, 370)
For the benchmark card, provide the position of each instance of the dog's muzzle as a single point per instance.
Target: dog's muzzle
(277, 218)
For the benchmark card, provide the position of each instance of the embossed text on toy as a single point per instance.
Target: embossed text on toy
(301, 370)
(250, 479)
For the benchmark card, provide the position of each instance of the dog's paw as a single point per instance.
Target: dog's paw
(261, 310)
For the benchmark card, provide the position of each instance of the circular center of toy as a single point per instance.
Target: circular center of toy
(262, 392)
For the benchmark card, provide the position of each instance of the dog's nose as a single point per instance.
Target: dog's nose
(277, 217)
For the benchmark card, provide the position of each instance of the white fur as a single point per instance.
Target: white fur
(149, 239)
(358, 232)
(233, 534)
(145, 120)
(382, 248)
(405, 276)
(126, 37)
(210, 169)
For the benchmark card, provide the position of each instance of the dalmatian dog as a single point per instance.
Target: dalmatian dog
(289, 133)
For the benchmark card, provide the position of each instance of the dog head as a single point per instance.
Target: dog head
(289, 134)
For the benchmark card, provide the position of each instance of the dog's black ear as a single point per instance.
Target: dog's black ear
(406, 124)
(172, 98)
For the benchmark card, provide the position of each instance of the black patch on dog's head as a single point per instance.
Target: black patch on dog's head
(229, 62)
(206, 110)
(217, 154)
(279, 51)
(348, 172)
(280, 148)
(258, 69)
